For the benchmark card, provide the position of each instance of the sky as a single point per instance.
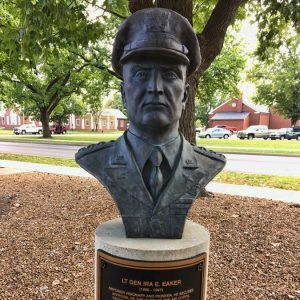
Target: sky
(248, 35)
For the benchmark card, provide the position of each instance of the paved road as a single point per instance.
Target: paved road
(258, 164)
(264, 164)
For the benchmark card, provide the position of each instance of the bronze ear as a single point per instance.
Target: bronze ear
(123, 94)
(186, 95)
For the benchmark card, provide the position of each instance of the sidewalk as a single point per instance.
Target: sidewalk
(8, 167)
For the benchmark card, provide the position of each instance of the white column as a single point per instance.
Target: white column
(92, 122)
(72, 121)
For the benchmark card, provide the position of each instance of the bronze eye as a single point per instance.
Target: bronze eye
(142, 75)
(170, 75)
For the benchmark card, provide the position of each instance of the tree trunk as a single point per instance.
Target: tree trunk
(211, 39)
(135, 5)
(187, 121)
(211, 42)
(45, 123)
(185, 8)
(294, 121)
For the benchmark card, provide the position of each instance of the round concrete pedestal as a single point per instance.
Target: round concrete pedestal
(110, 238)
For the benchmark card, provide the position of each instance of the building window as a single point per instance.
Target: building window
(121, 123)
(78, 122)
(87, 122)
(111, 123)
(67, 122)
(13, 120)
(104, 122)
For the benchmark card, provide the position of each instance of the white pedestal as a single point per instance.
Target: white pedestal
(110, 238)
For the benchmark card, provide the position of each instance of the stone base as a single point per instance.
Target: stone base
(168, 254)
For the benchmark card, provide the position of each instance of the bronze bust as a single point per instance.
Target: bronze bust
(153, 174)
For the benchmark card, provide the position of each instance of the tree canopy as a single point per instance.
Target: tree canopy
(71, 105)
(278, 83)
(49, 49)
(275, 19)
(220, 81)
(116, 102)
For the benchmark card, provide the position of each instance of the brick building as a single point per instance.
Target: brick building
(109, 119)
(10, 118)
(242, 113)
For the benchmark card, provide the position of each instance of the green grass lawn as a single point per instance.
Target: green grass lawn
(252, 146)
(65, 162)
(259, 146)
(280, 182)
(6, 131)
(89, 132)
(73, 138)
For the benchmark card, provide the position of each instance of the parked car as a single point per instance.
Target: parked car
(230, 128)
(198, 129)
(215, 133)
(58, 129)
(278, 134)
(254, 131)
(293, 133)
(28, 128)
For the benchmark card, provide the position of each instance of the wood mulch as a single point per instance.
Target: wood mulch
(47, 225)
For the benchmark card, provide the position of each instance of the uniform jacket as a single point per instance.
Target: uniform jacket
(114, 165)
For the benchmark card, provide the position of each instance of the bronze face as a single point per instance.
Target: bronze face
(154, 92)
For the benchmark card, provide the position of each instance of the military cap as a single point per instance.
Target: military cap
(156, 32)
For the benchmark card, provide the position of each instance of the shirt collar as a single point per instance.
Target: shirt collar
(144, 149)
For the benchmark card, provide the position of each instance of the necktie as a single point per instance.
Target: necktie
(155, 180)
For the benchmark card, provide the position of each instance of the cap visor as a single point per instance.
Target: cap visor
(155, 52)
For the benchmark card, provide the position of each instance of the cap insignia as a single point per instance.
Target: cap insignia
(158, 24)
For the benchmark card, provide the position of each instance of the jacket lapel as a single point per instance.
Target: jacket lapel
(186, 177)
(123, 171)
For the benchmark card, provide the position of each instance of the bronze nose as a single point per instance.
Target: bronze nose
(155, 83)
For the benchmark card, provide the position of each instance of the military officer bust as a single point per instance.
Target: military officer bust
(153, 174)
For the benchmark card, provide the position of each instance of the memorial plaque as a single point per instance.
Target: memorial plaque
(123, 279)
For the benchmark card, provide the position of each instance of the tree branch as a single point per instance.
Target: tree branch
(135, 5)
(112, 12)
(81, 56)
(69, 93)
(101, 67)
(108, 10)
(82, 67)
(89, 62)
(54, 100)
(211, 39)
(28, 85)
(50, 85)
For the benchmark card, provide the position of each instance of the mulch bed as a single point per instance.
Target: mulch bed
(47, 225)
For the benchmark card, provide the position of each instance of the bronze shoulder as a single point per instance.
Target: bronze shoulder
(209, 153)
(93, 148)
